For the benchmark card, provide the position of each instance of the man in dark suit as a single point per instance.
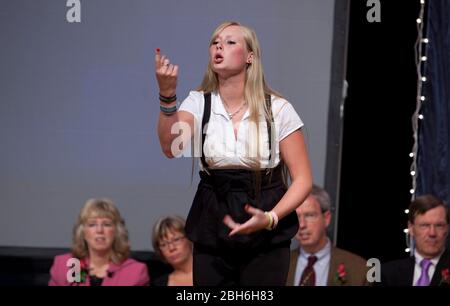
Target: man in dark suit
(316, 262)
(428, 224)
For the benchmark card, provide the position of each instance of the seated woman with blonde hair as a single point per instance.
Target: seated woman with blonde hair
(101, 249)
(170, 242)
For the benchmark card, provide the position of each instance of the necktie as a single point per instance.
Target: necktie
(309, 276)
(424, 279)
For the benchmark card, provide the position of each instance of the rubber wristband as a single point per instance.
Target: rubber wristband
(168, 110)
(269, 226)
(167, 99)
(275, 219)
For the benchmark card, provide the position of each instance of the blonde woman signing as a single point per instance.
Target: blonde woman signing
(243, 214)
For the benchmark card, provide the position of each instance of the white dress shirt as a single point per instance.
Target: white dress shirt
(321, 266)
(418, 268)
(223, 149)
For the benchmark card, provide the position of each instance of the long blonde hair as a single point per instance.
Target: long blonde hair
(255, 85)
(101, 208)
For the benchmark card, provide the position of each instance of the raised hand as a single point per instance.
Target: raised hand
(166, 75)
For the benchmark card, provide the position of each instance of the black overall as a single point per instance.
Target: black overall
(260, 258)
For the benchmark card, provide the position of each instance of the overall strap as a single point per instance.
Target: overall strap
(269, 127)
(205, 120)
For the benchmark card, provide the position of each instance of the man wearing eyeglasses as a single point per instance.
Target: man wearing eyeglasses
(317, 262)
(428, 225)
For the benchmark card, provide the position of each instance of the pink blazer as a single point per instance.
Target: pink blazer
(129, 273)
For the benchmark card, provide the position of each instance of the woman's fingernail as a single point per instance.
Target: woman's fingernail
(158, 50)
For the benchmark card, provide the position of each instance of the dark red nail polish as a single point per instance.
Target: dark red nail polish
(158, 50)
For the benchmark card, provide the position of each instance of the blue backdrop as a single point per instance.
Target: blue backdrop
(434, 133)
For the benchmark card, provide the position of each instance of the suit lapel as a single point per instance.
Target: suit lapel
(292, 267)
(443, 263)
(406, 271)
(332, 268)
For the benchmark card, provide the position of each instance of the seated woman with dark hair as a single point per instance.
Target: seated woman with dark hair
(170, 242)
(100, 251)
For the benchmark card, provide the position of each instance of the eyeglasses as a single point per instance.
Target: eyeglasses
(310, 216)
(175, 241)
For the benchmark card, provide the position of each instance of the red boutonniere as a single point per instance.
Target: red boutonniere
(341, 274)
(445, 278)
(84, 271)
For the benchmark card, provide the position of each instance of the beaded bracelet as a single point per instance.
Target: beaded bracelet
(168, 110)
(167, 99)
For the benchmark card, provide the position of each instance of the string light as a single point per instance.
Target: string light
(420, 99)
(406, 231)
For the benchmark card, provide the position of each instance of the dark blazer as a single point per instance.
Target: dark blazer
(161, 281)
(355, 268)
(401, 272)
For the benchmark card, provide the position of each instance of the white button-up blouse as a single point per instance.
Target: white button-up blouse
(224, 150)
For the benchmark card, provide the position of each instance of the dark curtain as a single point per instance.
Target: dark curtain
(434, 132)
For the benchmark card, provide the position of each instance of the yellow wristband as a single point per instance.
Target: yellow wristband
(270, 217)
